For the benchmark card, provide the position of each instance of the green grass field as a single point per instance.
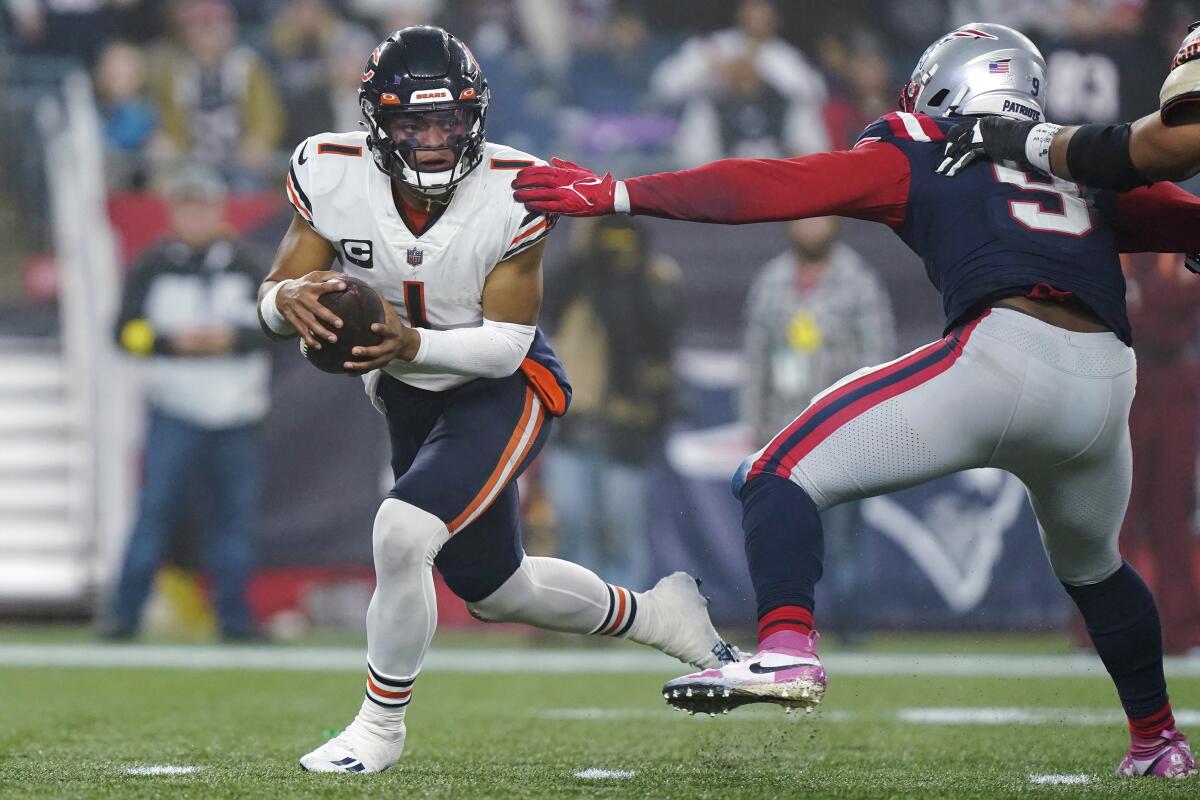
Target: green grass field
(75, 732)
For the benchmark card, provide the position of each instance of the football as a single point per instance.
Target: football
(359, 306)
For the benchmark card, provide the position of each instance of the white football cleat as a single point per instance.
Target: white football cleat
(673, 617)
(362, 747)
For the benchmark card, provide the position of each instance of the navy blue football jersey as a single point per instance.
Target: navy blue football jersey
(993, 231)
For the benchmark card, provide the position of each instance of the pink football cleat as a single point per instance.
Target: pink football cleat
(785, 671)
(1172, 758)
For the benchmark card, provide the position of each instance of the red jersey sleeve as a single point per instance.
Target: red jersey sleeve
(1160, 218)
(870, 182)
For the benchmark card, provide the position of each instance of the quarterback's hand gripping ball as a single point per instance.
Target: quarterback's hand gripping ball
(565, 188)
(358, 306)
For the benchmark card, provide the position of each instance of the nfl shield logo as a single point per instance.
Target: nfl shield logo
(415, 256)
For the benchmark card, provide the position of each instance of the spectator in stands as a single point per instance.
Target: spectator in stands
(744, 92)
(1096, 60)
(861, 87)
(129, 116)
(815, 314)
(312, 48)
(1164, 423)
(76, 29)
(189, 308)
(617, 315)
(385, 16)
(611, 75)
(219, 103)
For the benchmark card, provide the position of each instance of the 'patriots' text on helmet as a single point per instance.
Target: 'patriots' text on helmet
(981, 68)
(421, 80)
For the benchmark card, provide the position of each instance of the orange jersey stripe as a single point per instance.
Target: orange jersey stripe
(509, 449)
(530, 232)
(384, 693)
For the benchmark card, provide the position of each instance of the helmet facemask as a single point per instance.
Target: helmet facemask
(430, 149)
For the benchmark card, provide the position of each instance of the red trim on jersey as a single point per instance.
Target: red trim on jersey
(1160, 218)
(897, 125)
(930, 127)
(868, 183)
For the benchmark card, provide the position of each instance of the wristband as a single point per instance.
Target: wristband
(1037, 145)
(269, 312)
(620, 198)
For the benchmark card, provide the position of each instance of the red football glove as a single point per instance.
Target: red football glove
(565, 188)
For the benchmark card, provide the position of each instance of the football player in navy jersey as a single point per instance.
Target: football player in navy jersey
(1035, 374)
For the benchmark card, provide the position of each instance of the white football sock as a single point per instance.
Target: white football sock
(559, 596)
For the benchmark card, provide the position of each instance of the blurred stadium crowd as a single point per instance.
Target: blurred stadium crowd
(233, 85)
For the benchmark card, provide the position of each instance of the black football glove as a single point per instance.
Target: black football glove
(996, 138)
(1192, 262)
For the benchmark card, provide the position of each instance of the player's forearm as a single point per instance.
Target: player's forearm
(492, 350)
(869, 183)
(1165, 153)
(1095, 155)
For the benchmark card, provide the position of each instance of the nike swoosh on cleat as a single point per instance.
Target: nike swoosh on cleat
(758, 669)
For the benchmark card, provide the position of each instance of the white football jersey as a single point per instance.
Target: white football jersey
(434, 280)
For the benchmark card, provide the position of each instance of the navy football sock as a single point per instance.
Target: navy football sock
(1122, 620)
(785, 546)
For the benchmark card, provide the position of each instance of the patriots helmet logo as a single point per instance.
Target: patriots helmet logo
(972, 33)
(415, 256)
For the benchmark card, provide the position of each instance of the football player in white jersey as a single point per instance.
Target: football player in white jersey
(419, 207)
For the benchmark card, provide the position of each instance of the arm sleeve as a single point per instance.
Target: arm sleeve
(1160, 218)
(492, 350)
(870, 182)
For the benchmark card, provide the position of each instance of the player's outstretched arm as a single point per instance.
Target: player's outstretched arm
(512, 297)
(1117, 157)
(1164, 146)
(870, 182)
(288, 298)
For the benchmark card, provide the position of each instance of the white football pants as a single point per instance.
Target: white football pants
(1006, 391)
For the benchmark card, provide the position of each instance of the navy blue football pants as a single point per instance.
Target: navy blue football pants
(457, 454)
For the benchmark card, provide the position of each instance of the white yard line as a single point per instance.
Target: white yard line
(162, 769)
(602, 774)
(1060, 779)
(330, 659)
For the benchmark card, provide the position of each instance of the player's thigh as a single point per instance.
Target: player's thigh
(411, 414)
(478, 559)
(938, 410)
(1080, 507)
(487, 434)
